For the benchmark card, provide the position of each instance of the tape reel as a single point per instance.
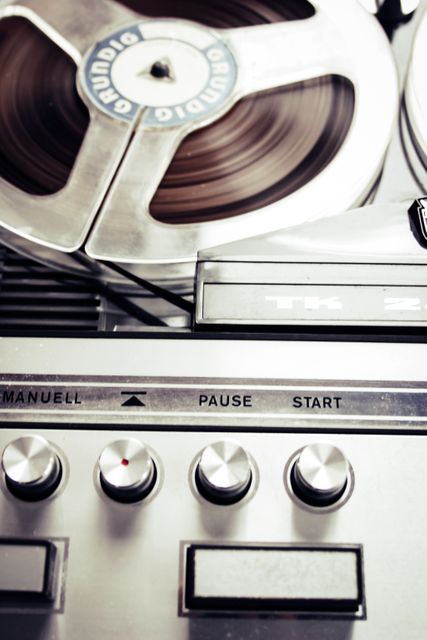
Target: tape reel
(279, 123)
(415, 113)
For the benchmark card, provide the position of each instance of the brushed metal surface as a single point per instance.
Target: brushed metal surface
(203, 382)
(256, 403)
(362, 268)
(320, 474)
(124, 560)
(31, 468)
(29, 460)
(127, 471)
(124, 572)
(223, 473)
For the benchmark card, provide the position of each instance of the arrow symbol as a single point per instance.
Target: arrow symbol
(133, 400)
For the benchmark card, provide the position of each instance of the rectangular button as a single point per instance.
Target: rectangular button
(306, 579)
(27, 571)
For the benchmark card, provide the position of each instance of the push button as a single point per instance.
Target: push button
(28, 571)
(248, 579)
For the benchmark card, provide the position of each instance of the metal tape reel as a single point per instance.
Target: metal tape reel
(107, 213)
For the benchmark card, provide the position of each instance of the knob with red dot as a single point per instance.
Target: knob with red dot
(127, 472)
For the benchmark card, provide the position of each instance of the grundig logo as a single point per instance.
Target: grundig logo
(98, 74)
(113, 86)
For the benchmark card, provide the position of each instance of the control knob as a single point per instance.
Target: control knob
(320, 474)
(223, 474)
(32, 468)
(127, 471)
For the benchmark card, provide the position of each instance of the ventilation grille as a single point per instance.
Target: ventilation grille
(33, 297)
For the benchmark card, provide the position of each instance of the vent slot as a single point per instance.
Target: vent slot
(34, 298)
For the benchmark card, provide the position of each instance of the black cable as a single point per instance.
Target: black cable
(173, 298)
(116, 298)
(129, 307)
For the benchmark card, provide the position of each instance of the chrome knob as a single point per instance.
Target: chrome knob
(127, 471)
(320, 474)
(32, 468)
(223, 474)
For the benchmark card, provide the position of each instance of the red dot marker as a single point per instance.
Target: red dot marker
(124, 462)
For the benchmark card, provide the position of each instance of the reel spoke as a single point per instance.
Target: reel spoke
(73, 26)
(279, 54)
(71, 210)
(121, 226)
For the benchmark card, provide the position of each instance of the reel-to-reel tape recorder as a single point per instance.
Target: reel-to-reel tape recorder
(213, 307)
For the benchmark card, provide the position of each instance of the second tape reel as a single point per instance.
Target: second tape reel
(415, 111)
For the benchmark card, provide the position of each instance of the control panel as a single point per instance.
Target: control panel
(314, 529)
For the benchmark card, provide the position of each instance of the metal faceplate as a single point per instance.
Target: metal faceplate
(123, 568)
(131, 140)
(364, 267)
